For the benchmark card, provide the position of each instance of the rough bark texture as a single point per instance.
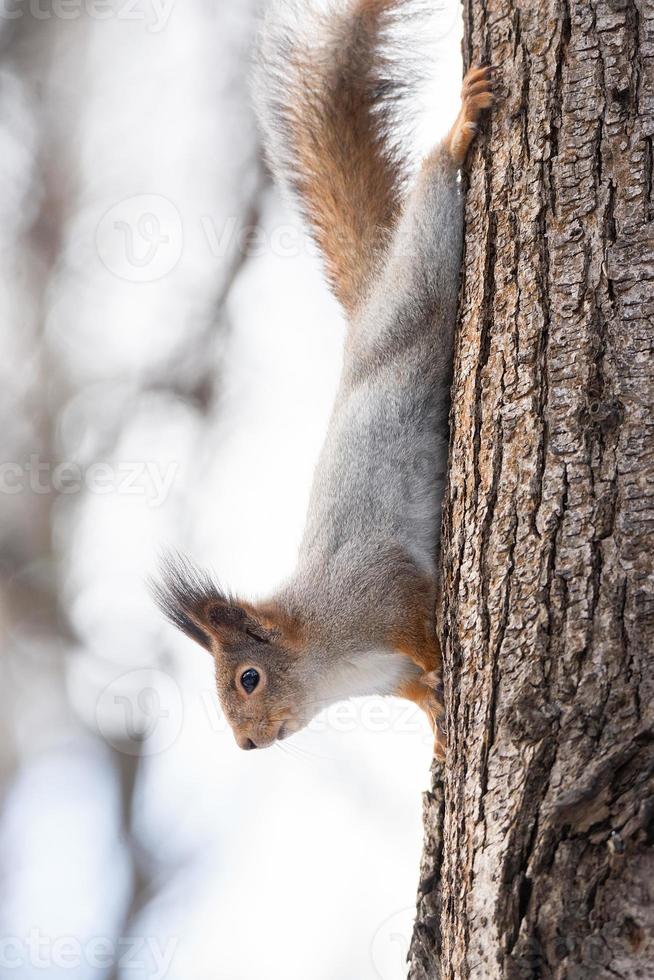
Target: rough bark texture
(547, 863)
(426, 942)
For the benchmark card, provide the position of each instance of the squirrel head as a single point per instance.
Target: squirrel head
(261, 669)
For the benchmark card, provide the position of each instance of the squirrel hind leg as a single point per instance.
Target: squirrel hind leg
(476, 95)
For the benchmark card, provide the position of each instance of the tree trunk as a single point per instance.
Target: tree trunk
(545, 867)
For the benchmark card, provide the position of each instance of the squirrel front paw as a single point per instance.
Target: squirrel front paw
(426, 691)
(434, 707)
(476, 95)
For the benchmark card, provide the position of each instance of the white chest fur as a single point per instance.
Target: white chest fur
(371, 672)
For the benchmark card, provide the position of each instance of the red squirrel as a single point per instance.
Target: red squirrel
(357, 616)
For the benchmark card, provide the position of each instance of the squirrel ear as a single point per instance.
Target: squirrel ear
(183, 593)
(226, 616)
(193, 603)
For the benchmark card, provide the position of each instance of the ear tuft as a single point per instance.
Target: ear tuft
(183, 593)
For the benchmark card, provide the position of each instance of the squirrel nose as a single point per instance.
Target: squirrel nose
(249, 744)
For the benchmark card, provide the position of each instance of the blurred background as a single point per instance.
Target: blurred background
(169, 359)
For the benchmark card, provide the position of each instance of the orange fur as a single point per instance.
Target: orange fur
(416, 637)
(417, 640)
(349, 173)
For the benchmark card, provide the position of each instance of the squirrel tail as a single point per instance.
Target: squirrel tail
(330, 87)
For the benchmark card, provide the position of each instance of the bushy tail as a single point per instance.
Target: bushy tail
(330, 85)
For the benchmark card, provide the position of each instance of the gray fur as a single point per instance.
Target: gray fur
(375, 508)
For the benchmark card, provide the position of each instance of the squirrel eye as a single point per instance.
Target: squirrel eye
(250, 680)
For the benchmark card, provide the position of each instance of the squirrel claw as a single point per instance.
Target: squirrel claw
(476, 95)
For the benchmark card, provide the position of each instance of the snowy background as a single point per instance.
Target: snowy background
(169, 358)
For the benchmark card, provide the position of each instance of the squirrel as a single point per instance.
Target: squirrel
(357, 617)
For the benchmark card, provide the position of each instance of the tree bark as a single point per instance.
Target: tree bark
(539, 847)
